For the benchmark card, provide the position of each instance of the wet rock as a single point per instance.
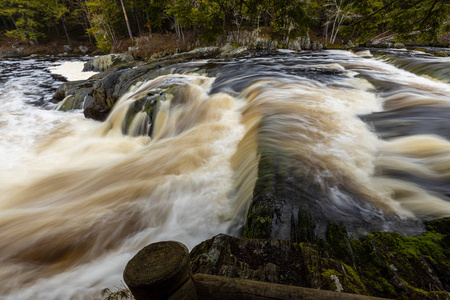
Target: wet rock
(75, 94)
(56, 76)
(288, 205)
(148, 104)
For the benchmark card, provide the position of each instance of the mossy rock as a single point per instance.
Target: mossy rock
(439, 226)
(380, 264)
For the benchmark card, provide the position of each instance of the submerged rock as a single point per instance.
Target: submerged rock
(380, 264)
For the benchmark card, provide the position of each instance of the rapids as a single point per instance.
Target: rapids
(79, 198)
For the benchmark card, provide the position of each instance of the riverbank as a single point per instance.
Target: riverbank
(153, 46)
(11, 47)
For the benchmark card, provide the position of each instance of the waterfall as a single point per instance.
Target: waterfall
(177, 159)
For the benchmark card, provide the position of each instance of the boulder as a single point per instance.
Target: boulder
(267, 45)
(83, 49)
(68, 48)
(234, 52)
(105, 62)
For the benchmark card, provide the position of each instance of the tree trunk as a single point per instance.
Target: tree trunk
(136, 16)
(66, 32)
(126, 19)
(4, 22)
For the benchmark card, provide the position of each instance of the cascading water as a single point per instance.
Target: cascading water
(79, 198)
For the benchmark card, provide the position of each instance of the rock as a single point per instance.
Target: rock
(197, 53)
(75, 94)
(295, 45)
(105, 95)
(287, 205)
(227, 47)
(56, 76)
(305, 42)
(316, 46)
(440, 226)
(134, 48)
(10, 53)
(83, 49)
(68, 48)
(234, 52)
(105, 62)
(399, 46)
(147, 104)
(114, 83)
(264, 45)
(380, 264)
(272, 260)
(364, 54)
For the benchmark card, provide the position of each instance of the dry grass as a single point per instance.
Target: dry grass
(145, 46)
(50, 47)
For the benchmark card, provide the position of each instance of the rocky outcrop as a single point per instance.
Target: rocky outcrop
(98, 95)
(74, 94)
(105, 62)
(380, 264)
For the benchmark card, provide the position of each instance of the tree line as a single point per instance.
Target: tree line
(106, 22)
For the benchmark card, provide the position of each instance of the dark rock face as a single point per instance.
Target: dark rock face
(77, 94)
(288, 205)
(271, 260)
(380, 264)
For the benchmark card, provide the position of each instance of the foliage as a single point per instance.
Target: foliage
(118, 294)
(409, 19)
(363, 20)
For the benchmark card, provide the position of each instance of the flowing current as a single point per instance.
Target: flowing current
(79, 198)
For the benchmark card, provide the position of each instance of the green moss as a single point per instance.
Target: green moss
(339, 243)
(382, 286)
(258, 223)
(441, 54)
(305, 226)
(439, 226)
(385, 258)
(354, 284)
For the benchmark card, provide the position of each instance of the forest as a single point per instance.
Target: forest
(106, 22)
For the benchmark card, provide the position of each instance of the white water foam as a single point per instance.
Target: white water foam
(72, 70)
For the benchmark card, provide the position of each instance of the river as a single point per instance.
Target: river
(79, 198)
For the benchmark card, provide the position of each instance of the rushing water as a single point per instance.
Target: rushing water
(78, 198)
